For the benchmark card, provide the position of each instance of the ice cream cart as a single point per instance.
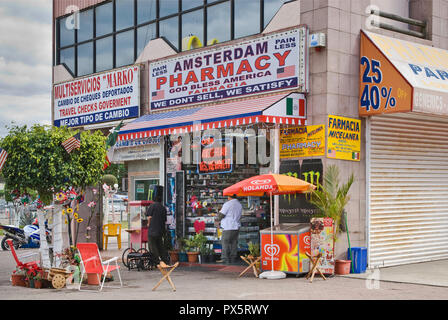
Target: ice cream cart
(137, 228)
(288, 248)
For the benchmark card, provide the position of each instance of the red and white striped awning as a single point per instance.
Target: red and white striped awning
(226, 115)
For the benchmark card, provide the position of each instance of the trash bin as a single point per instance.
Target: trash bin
(359, 259)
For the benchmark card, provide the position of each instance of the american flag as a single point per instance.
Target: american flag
(3, 156)
(157, 95)
(72, 143)
(285, 72)
(331, 153)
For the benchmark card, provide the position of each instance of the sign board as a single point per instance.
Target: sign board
(322, 241)
(263, 64)
(343, 138)
(382, 88)
(142, 152)
(304, 141)
(216, 157)
(99, 98)
(137, 142)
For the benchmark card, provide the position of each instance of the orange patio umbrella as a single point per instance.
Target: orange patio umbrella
(269, 184)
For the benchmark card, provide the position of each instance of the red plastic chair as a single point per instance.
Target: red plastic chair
(91, 263)
(20, 264)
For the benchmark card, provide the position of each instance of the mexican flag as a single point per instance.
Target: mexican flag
(295, 107)
(110, 142)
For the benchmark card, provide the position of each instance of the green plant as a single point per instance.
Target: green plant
(254, 249)
(109, 179)
(38, 161)
(331, 197)
(195, 243)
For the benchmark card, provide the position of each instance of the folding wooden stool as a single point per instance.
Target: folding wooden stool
(251, 262)
(166, 271)
(315, 268)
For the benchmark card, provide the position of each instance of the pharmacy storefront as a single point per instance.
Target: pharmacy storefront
(404, 97)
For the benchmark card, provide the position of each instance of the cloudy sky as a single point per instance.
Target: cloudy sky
(25, 62)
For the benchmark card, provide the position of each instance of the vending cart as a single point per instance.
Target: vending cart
(288, 248)
(138, 224)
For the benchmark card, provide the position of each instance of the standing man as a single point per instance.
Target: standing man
(230, 216)
(156, 214)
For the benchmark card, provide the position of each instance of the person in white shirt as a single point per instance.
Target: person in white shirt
(229, 218)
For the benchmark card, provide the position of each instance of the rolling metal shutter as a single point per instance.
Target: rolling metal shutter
(407, 189)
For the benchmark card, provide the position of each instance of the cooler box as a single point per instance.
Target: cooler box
(359, 259)
(290, 242)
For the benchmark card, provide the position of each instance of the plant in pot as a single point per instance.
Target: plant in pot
(331, 198)
(207, 254)
(167, 242)
(180, 243)
(194, 245)
(38, 281)
(18, 277)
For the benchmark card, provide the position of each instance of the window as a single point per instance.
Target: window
(85, 59)
(190, 4)
(66, 31)
(193, 25)
(144, 35)
(146, 10)
(218, 22)
(67, 57)
(85, 31)
(270, 9)
(104, 19)
(247, 17)
(168, 7)
(104, 54)
(116, 38)
(169, 29)
(124, 13)
(125, 48)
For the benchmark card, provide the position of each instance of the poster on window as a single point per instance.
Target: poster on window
(100, 98)
(263, 64)
(303, 141)
(295, 208)
(344, 138)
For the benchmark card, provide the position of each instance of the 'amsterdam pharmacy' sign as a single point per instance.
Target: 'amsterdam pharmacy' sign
(99, 98)
(269, 63)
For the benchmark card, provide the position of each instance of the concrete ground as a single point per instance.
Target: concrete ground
(222, 283)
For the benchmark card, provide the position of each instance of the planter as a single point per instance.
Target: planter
(342, 266)
(31, 283)
(192, 257)
(38, 284)
(18, 280)
(174, 256)
(183, 257)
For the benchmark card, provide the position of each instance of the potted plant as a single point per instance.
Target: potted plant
(18, 277)
(38, 281)
(173, 252)
(207, 255)
(254, 253)
(182, 250)
(194, 245)
(331, 199)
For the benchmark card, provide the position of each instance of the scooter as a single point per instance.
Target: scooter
(29, 237)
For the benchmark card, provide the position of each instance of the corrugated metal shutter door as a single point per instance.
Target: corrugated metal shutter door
(407, 189)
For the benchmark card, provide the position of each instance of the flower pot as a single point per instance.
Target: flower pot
(38, 284)
(342, 266)
(183, 257)
(31, 283)
(18, 280)
(192, 257)
(174, 256)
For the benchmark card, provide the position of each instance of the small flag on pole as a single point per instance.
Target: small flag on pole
(295, 107)
(3, 156)
(72, 143)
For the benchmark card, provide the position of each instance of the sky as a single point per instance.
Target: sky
(25, 62)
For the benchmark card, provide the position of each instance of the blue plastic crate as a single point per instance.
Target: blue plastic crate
(359, 259)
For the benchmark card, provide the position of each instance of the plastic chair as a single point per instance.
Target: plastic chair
(111, 230)
(91, 262)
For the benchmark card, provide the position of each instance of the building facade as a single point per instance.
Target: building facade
(351, 67)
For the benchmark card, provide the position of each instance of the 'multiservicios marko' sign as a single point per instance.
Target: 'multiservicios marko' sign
(268, 63)
(99, 98)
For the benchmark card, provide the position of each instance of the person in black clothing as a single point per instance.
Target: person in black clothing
(156, 214)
